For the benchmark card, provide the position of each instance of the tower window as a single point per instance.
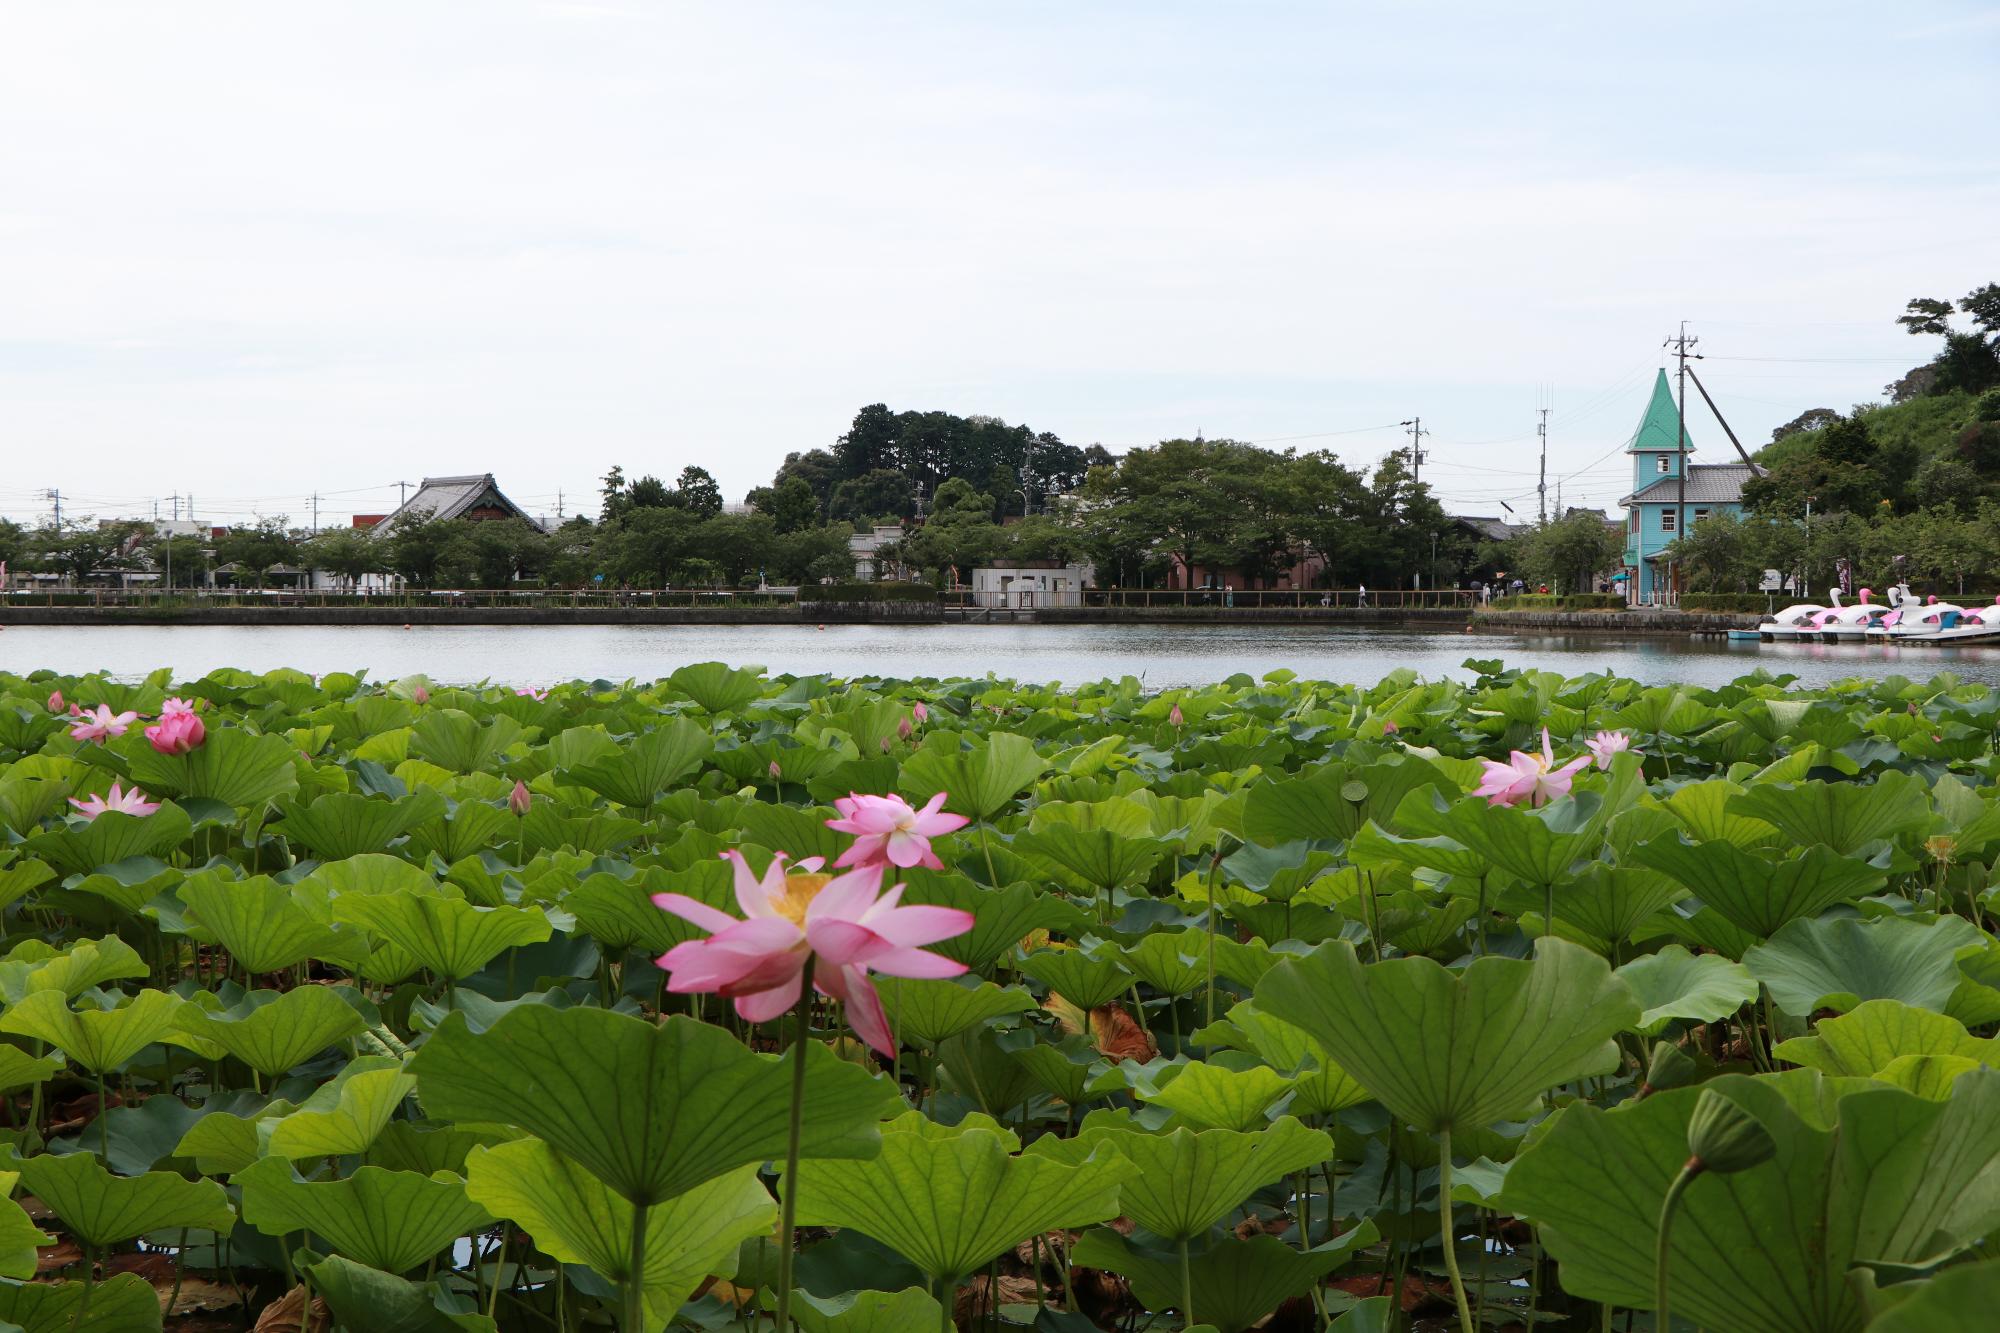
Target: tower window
(1668, 519)
(1666, 465)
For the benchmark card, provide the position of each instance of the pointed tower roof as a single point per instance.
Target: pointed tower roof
(1660, 428)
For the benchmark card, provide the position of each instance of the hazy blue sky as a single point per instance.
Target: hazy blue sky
(253, 250)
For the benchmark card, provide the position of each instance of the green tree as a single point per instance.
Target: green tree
(791, 505)
(1212, 504)
(698, 492)
(615, 501)
(647, 547)
(738, 545)
(413, 548)
(572, 554)
(807, 555)
(350, 553)
(255, 551)
(882, 493)
(649, 492)
(82, 547)
(1714, 555)
(1569, 553)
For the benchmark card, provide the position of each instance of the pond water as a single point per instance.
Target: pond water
(1160, 655)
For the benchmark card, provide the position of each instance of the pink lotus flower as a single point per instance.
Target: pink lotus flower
(421, 695)
(56, 701)
(1605, 744)
(885, 745)
(1533, 778)
(919, 712)
(776, 772)
(173, 706)
(888, 830)
(131, 802)
(519, 799)
(1390, 728)
(177, 733)
(536, 695)
(1174, 718)
(903, 729)
(845, 921)
(102, 724)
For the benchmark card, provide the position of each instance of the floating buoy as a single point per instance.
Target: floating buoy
(822, 627)
(406, 627)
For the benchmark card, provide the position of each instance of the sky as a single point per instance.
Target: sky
(254, 252)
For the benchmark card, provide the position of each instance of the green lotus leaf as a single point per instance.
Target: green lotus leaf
(653, 1110)
(112, 837)
(338, 825)
(979, 1065)
(470, 829)
(1173, 963)
(20, 1070)
(1082, 980)
(99, 1040)
(73, 971)
(1674, 983)
(1232, 1283)
(453, 739)
(100, 1208)
(1959, 1299)
(1865, 1041)
(271, 1032)
(129, 885)
(1373, 848)
(911, 1310)
(1334, 802)
(1320, 1086)
(1211, 1097)
(427, 1148)
(1876, 1174)
(20, 879)
(19, 1236)
(619, 913)
(575, 1218)
(1063, 1070)
(949, 1198)
(260, 923)
(799, 833)
(981, 781)
(343, 1117)
(1755, 893)
(716, 687)
(647, 766)
(391, 1220)
(1189, 1180)
(363, 1297)
(223, 1143)
(449, 936)
(924, 1012)
(1443, 1050)
(1845, 816)
(1003, 917)
(233, 766)
(1704, 809)
(1928, 1076)
(1837, 962)
(125, 1303)
(1536, 846)
(1607, 904)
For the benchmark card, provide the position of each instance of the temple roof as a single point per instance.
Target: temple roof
(453, 497)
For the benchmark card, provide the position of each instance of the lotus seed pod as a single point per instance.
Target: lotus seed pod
(1725, 1138)
(1669, 1067)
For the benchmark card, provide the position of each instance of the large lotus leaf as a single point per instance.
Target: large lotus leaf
(1091, 858)
(19, 1070)
(112, 837)
(129, 885)
(1002, 917)
(799, 833)
(981, 781)
(1837, 962)
(911, 1310)
(338, 825)
(1065, 1070)
(19, 1236)
(125, 1303)
(1604, 905)
(1333, 803)
(1172, 963)
(949, 1198)
(99, 1040)
(1960, 1299)
(20, 879)
(1320, 1086)
(271, 1031)
(362, 1297)
(1189, 1180)
(1082, 980)
(259, 923)
(1928, 1076)
(75, 970)
(1877, 1174)
(980, 1066)
(343, 1117)
(573, 1217)
(1674, 983)
(1212, 1097)
(619, 913)
(1232, 1284)
(100, 1208)
(1842, 815)
(470, 829)
(1756, 893)
(450, 936)
(460, 742)
(647, 766)
(1704, 809)
(925, 1012)
(1373, 848)
(223, 1143)
(1536, 846)
(233, 766)
(653, 1110)
(718, 688)
(391, 1220)
(374, 873)
(1863, 1043)
(1456, 1051)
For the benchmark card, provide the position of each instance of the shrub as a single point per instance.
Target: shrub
(869, 592)
(1548, 601)
(1725, 601)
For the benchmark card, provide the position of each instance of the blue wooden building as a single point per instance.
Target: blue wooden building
(1656, 509)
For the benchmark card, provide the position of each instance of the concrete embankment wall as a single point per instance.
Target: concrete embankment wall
(1617, 622)
(400, 615)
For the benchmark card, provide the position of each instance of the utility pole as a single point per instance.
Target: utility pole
(1542, 486)
(1417, 433)
(54, 496)
(315, 527)
(402, 493)
(1681, 343)
(559, 505)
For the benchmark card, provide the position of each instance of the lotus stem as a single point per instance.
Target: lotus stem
(1187, 1287)
(1668, 1205)
(1445, 1232)
(788, 1207)
(1214, 864)
(635, 1280)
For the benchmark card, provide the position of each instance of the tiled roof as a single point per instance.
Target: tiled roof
(450, 497)
(1707, 483)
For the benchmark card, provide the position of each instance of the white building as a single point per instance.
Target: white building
(1037, 583)
(864, 547)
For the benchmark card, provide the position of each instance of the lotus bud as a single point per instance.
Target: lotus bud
(519, 799)
(1390, 728)
(421, 695)
(1725, 1138)
(903, 729)
(885, 745)
(776, 772)
(1669, 1067)
(920, 713)
(1174, 718)
(55, 701)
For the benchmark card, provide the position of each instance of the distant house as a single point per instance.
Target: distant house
(475, 496)
(1031, 584)
(867, 548)
(1655, 508)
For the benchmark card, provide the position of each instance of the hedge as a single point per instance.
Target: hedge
(1575, 601)
(1725, 601)
(869, 592)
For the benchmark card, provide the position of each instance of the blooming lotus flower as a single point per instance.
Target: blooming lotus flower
(1533, 778)
(844, 921)
(536, 695)
(887, 829)
(177, 733)
(173, 706)
(55, 701)
(1605, 744)
(131, 802)
(101, 724)
(519, 799)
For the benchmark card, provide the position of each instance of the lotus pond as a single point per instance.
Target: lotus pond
(334, 1003)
